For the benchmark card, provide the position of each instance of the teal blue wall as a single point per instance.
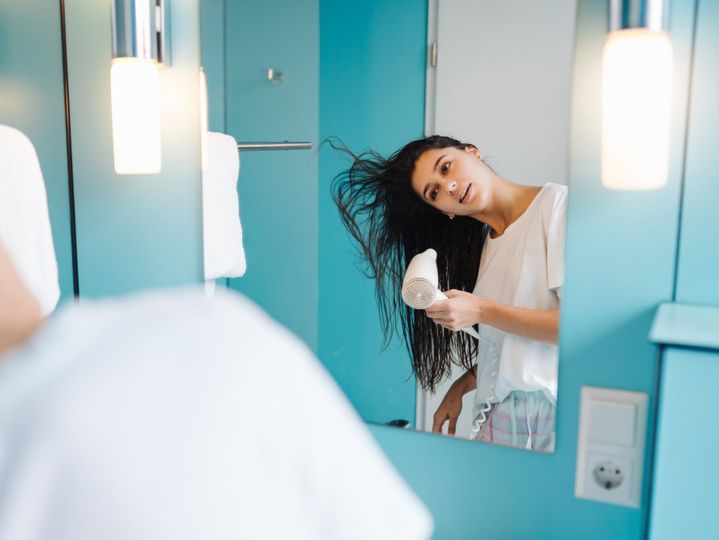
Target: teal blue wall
(277, 189)
(372, 60)
(212, 49)
(134, 232)
(698, 280)
(686, 492)
(32, 100)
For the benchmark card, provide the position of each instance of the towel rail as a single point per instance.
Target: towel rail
(284, 145)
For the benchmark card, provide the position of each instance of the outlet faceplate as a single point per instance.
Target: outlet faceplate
(610, 451)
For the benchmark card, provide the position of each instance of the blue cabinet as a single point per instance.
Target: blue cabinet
(685, 493)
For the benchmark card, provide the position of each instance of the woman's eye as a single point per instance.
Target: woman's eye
(445, 167)
(433, 194)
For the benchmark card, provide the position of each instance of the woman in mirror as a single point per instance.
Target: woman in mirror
(501, 240)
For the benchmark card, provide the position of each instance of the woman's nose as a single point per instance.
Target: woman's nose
(451, 186)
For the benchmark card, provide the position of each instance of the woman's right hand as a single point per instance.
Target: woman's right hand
(451, 405)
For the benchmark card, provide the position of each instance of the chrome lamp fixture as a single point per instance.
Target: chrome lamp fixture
(636, 96)
(139, 41)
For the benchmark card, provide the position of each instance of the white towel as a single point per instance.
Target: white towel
(222, 231)
(80, 461)
(25, 230)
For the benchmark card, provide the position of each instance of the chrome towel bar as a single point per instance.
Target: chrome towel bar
(285, 145)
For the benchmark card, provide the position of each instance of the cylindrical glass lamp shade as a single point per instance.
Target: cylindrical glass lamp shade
(636, 109)
(136, 116)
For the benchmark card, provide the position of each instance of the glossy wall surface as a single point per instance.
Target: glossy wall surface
(277, 189)
(685, 493)
(698, 263)
(372, 61)
(212, 54)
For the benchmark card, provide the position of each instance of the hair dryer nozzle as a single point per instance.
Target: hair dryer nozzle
(419, 292)
(420, 286)
(420, 283)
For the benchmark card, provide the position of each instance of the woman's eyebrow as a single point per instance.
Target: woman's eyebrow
(436, 163)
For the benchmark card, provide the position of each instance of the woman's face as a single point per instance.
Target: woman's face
(453, 180)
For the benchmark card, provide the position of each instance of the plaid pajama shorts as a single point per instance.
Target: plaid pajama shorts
(522, 419)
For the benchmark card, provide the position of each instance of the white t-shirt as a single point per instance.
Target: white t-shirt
(172, 415)
(524, 267)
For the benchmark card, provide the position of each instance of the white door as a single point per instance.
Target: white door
(502, 82)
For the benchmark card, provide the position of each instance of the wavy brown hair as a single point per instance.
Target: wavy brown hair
(390, 224)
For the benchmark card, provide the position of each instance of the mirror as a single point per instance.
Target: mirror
(365, 72)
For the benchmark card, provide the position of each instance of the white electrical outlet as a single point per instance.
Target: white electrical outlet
(609, 478)
(610, 450)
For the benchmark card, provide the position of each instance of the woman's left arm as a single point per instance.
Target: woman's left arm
(538, 324)
(463, 309)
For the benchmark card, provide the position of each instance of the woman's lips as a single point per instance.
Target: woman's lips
(466, 193)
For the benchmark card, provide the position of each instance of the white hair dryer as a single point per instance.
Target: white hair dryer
(420, 288)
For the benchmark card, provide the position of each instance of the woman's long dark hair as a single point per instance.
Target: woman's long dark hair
(391, 224)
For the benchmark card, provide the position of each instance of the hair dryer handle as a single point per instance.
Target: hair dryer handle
(471, 331)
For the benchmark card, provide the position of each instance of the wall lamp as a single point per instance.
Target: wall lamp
(636, 96)
(139, 40)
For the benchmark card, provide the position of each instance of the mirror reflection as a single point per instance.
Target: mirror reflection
(460, 232)
(444, 233)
